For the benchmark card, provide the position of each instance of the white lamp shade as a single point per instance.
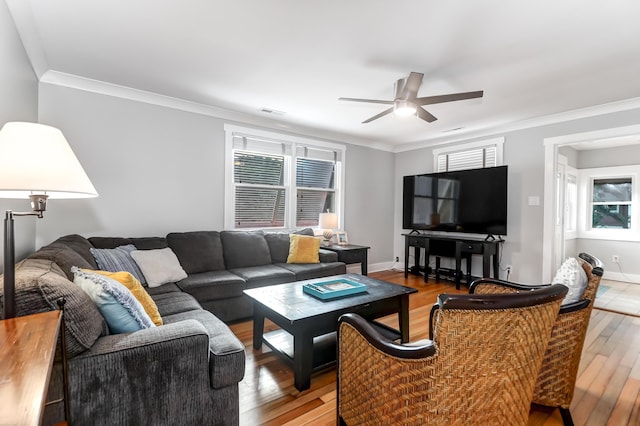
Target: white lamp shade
(328, 221)
(35, 158)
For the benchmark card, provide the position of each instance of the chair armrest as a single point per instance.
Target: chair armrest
(385, 345)
(575, 306)
(508, 285)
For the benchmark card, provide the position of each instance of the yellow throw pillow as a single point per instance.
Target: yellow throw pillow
(129, 281)
(303, 249)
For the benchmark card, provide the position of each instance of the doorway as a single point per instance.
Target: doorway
(555, 234)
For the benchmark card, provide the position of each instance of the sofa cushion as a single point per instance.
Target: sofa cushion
(227, 363)
(150, 243)
(244, 249)
(159, 266)
(79, 244)
(278, 243)
(118, 306)
(213, 285)
(134, 286)
(173, 303)
(109, 242)
(303, 249)
(142, 243)
(307, 271)
(118, 259)
(258, 276)
(40, 283)
(64, 256)
(198, 251)
(164, 288)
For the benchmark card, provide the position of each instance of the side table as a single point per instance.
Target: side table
(351, 253)
(27, 349)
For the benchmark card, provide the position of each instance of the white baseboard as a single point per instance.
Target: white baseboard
(399, 266)
(373, 267)
(620, 276)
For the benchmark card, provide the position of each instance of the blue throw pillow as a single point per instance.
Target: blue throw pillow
(120, 309)
(117, 260)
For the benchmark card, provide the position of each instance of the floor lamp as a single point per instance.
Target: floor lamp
(36, 162)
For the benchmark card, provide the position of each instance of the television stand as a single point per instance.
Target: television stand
(458, 248)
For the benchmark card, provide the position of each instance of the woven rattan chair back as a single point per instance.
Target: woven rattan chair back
(557, 378)
(482, 371)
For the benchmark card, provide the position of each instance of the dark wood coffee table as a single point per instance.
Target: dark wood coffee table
(308, 325)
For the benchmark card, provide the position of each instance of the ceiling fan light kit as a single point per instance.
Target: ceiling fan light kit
(408, 103)
(404, 108)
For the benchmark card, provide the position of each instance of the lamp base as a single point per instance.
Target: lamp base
(328, 235)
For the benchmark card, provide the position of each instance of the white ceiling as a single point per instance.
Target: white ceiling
(533, 59)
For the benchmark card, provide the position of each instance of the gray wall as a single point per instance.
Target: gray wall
(524, 154)
(628, 268)
(620, 156)
(18, 102)
(159, 170)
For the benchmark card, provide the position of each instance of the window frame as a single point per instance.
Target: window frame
(586, 178)
(497, 143)
(292, 142)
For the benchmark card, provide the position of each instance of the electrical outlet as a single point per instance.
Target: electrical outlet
(397, 259)
(615, 258)
(508, 269)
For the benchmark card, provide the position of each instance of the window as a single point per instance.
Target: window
(608, 203)
(611, 203)
(280, 181)
(571, 204)
(473, 155)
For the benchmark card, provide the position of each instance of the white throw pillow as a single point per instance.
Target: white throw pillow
(159, 266)
(573, 276)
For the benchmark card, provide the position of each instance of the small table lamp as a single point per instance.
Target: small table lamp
(328, 222)
(36, 162)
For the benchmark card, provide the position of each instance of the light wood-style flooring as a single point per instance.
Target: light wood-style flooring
(607, 389)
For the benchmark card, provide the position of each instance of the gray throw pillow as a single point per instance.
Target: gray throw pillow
(40, 284)
(118, 259)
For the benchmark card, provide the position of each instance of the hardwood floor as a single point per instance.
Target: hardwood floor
(607, 388)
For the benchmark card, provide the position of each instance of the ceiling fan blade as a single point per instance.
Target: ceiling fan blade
(425, 115)
(375, 117)
(430, 100)
(372, 101)
(411, 86)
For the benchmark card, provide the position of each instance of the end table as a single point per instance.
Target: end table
(351, 253)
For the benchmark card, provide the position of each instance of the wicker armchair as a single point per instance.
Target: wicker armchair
(556, 382)
(479, 369)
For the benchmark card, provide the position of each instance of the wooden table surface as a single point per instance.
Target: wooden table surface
(27, 349)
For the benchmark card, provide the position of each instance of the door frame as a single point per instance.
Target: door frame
(551, 146)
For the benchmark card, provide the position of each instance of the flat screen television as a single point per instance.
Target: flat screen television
(471, 201)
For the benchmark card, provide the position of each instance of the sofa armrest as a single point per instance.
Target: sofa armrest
(327, 256)
(147, 374)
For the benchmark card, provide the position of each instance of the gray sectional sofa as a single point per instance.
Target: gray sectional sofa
(183, 372)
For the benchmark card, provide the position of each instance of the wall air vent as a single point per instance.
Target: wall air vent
(272, 111)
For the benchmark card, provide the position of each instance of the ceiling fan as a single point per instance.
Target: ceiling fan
(406, 101)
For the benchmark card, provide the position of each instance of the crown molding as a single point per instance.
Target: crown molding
(562, 117)
(109, 89)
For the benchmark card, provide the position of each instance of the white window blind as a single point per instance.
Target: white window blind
(467, 159)
(280, 183)
(473, 155)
